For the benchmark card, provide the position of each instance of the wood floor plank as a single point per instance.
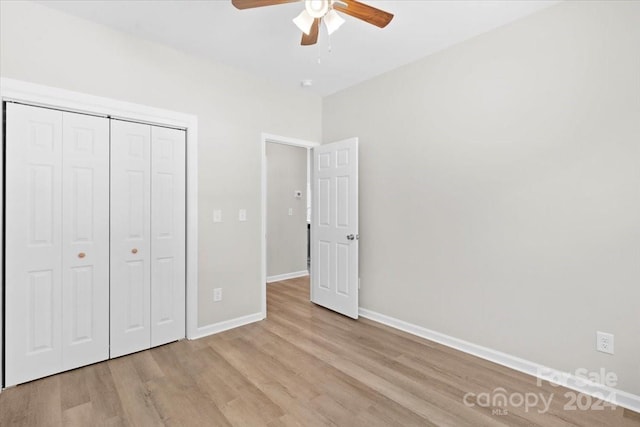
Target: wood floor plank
(73, 389)
(14, 404)
(303, 366)
(105, 401)
(78, 416)
(133, 393)
(45, 406)
(179, 406)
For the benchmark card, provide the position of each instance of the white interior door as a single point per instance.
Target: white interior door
(168, 254)
(85, 240)
(130, 237)
(334, 227)
(33, 243)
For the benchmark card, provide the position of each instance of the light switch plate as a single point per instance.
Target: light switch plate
(242, 215)
(217, 215)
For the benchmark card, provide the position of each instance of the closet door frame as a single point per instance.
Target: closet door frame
(12, 90)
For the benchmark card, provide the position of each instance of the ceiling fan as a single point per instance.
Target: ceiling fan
(317, 11)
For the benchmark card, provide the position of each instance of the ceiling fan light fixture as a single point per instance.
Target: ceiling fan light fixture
(316, 8)
(304, 21)
(333, 21)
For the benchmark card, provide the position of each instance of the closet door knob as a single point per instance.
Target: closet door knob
(134, 251)
(81, 255)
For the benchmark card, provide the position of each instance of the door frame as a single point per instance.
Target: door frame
(46, 96)
(275, 139)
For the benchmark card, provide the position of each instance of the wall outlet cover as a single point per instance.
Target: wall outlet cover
(604, 342)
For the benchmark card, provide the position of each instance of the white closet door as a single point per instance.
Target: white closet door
(167, 235)
(33, 243)
(85, 240)
(130, 237)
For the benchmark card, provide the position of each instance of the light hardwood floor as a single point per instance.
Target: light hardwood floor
(303, 366)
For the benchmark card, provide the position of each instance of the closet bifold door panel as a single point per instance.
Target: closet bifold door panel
(85, 240)
(130, 237)
(33, 245)
(168, 198)
(148, 256)
(56, 235)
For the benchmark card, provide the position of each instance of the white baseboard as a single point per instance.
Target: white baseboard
(609, 394)
(215, 328)
(294, 275)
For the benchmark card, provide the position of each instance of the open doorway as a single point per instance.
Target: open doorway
(286, 209)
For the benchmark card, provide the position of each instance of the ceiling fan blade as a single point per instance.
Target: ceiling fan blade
(249, 4)
(312, 38)
(367, 13)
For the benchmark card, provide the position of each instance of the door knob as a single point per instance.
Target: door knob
(350, 237)
(81, 255)
(134, 251)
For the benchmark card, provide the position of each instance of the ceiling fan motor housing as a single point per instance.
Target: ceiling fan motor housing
(317, 8)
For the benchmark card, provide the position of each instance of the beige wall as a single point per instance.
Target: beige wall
(286, 234)
(500, 188)
(45, 46)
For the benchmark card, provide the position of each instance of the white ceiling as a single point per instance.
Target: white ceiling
(264, 41)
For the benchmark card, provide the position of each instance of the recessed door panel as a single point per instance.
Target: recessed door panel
(33, 235)
(82, 300)
(41, 204)
(82, 203)
(164, 291)
(342, 206)
(137, 213)
(163, 199)
(342, 268)
(130, 237)
(324, 196)
(168, 250)
(40, 311)
(323, 161)
(324, 264)
(83, 139)
(42, 135)
(342, 158)
(85, 240)
(137, 297)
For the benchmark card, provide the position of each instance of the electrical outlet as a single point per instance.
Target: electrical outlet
(604, 342)
(217, 294)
